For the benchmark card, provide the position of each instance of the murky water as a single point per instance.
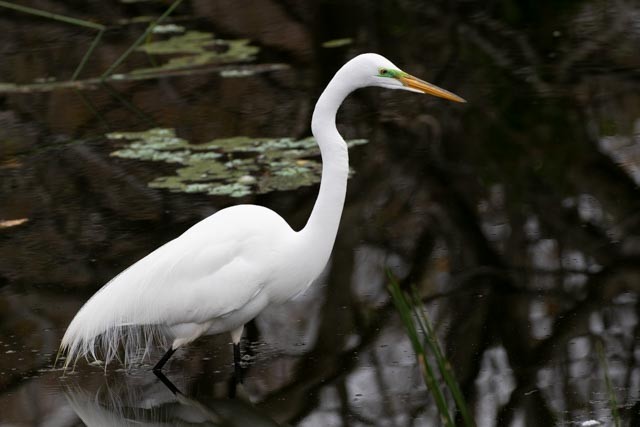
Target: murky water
(516, 215)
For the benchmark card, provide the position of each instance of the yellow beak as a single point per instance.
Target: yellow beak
(424, 87)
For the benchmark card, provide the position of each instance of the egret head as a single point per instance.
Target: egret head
(376, 70)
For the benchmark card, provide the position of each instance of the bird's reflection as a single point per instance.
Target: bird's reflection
(145, 401)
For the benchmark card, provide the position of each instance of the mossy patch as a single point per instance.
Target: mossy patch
(196, 48)
(171, 54)
(337, 43)
(235, 167)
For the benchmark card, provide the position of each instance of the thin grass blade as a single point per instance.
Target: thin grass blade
(428, 372)
(612, 395)
(87, 54)
(51, 15)
(444, 366)
(140, 39)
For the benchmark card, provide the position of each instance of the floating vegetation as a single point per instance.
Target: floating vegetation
(234, 167)
(237, 72)
(144, 36)
(231, 70)
(196, 49)
(189, 52)
(337, 43)
(168, 28)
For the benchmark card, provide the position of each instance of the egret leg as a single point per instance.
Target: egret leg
(232, 386)
(236, 335)
(237, 359)
(164, 359)
(167, 383)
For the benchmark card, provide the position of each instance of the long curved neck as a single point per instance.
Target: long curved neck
(322, 226)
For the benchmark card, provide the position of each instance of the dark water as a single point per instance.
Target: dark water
(517, 215)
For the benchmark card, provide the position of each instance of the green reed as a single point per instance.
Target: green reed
(95, 26)
(140, 39)
(436, 368)
(612, 395)
(51, 15)
(67, 20)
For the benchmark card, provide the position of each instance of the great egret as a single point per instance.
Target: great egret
(227, 268)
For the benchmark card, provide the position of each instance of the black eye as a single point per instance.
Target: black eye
(384, 71)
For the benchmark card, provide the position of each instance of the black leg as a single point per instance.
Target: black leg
(232, 386)
(164, 359)
(237, 362)
(172, 388)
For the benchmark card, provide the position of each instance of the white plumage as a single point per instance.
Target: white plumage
(230, 278)
(226, 269)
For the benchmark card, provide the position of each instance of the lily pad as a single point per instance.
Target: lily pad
(337, 43)
(193, 52)
(236, 167)
(196, 48)
(168, 28)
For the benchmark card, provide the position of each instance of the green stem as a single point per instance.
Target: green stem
(612, 395)
(51, 15)
(443, 364)
(139, 41)
(87, 102)
(86, 56)
(431, 381)
(138, 112)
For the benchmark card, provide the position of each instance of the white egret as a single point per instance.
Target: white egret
(223, 271)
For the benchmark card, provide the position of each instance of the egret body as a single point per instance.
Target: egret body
(223, 271)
